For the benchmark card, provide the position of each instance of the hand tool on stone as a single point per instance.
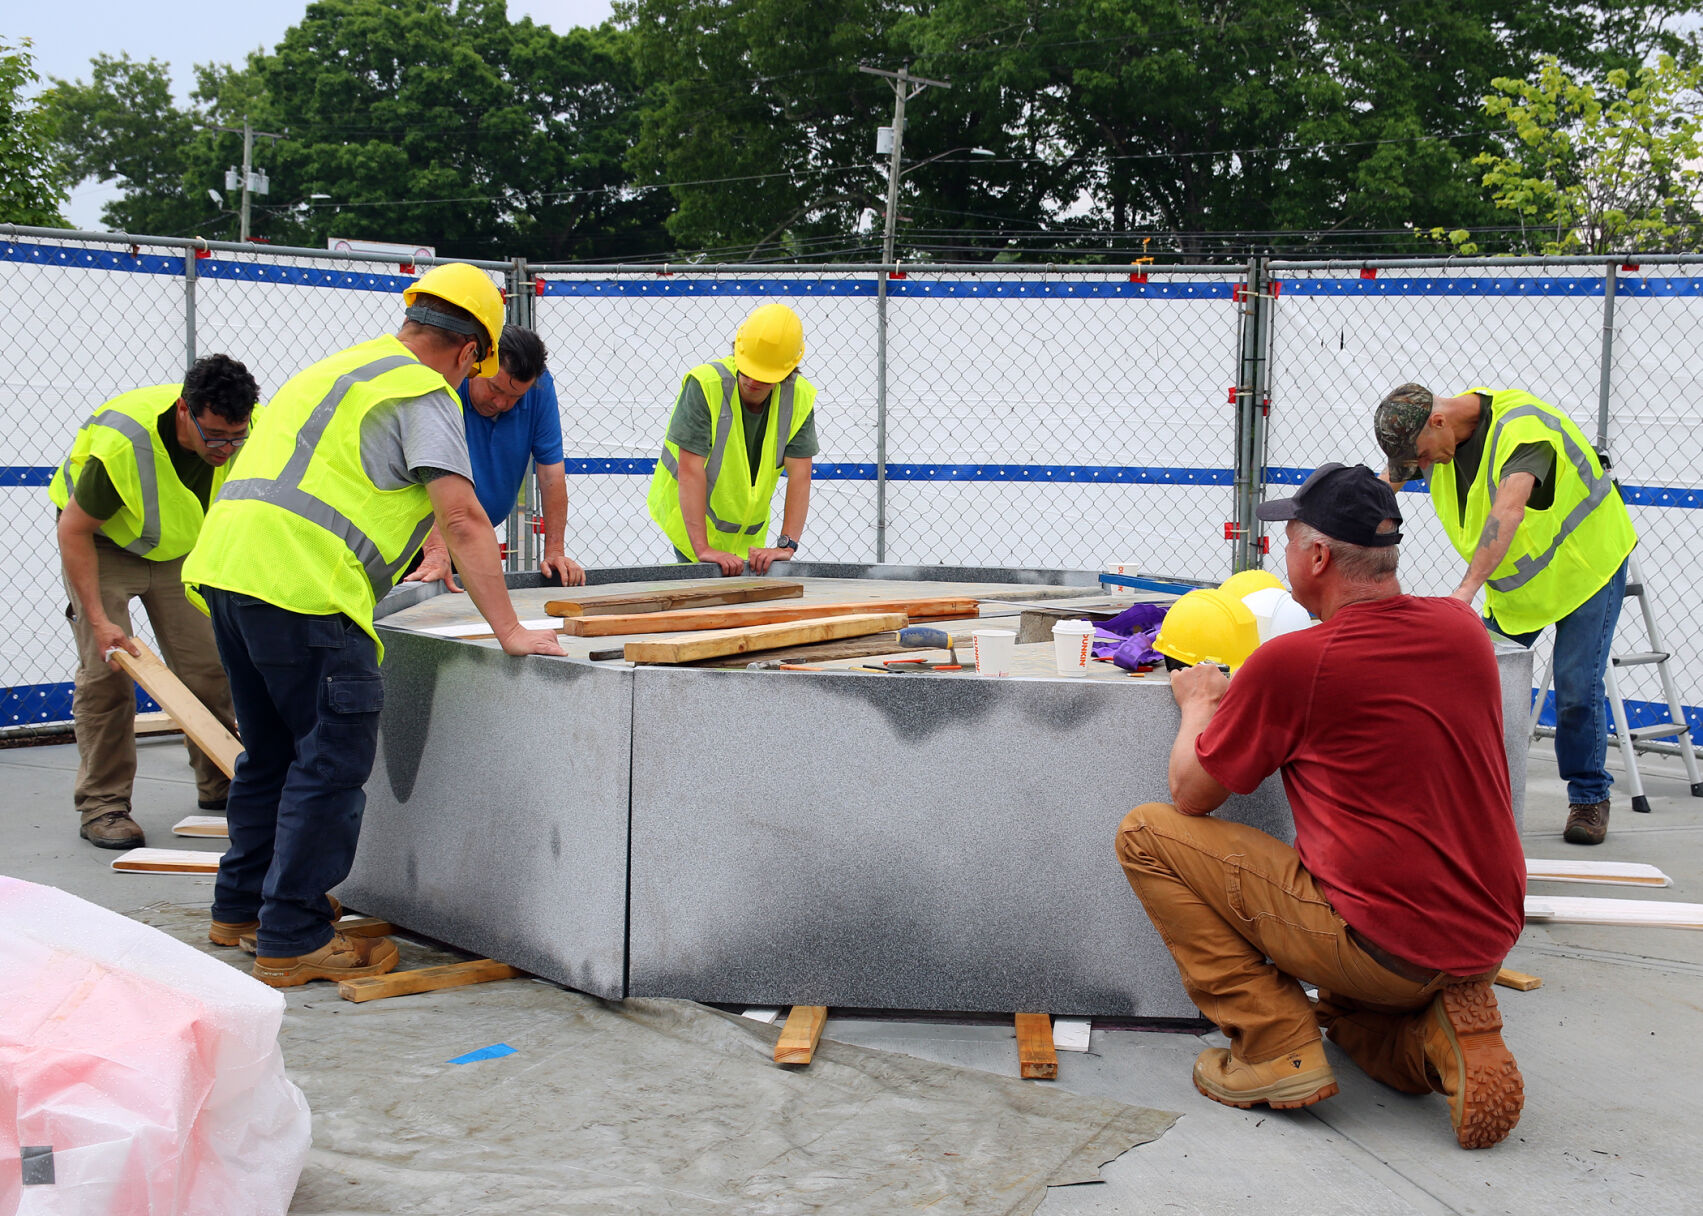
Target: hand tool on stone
(923, 637)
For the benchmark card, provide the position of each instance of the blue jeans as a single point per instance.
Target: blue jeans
(1582, 639)
(307, 693)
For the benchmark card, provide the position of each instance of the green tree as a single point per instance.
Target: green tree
(1598, 168)
(123, 125)
(32, 180)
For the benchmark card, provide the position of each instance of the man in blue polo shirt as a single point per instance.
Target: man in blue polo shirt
(509, 417)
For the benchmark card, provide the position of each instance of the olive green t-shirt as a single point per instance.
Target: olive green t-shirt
(1538, 459)
(100, 498)
(690, 427)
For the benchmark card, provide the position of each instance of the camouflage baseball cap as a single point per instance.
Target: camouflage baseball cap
(1397, 421)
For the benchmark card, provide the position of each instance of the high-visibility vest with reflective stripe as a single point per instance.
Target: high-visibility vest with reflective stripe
(737, 499)
(160, 516)
(1562, 555)
(303, 526)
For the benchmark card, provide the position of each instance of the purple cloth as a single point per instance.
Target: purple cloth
(1127, 639)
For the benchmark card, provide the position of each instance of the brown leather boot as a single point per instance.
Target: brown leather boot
(113, 830)
(230, 933)
(341, 958)
(1587, 822)
(1472, 1065)
(1300, 1078)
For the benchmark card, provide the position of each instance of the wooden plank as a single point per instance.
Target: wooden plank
(202, 825)
(681, 648)
(767, 614)
(166, 861)
(198, 722)
(874, 644)
(1517, 980)
(1633, 873)
(425, 979)
(157, 722)
(695, 595)
(364, 926)
(803, 1030)
(1037, 1060)
(1649, 913)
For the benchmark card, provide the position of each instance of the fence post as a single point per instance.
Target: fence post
(1608, 285)
(190, 274)
(518, 534)
(1259, 411)
(1249, 379)
(881, 417)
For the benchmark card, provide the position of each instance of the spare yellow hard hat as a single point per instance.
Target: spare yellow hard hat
(1245, 582)
(470, 288)
(769, 344)
(1207, 626)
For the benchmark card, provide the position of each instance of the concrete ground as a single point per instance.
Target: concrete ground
(1608, 1045)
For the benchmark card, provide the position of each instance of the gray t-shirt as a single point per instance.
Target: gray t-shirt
(409, 441)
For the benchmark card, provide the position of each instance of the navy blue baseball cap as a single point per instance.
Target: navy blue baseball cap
(1345, 502)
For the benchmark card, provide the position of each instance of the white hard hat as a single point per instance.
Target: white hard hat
(1276, 612)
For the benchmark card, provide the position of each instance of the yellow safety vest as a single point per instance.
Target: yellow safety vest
(304, 527)
(160, 517)
(1561, 556)
(737, 499)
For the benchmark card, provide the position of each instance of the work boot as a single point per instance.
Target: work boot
(113, 830)
(249, 944)
(1299, 1078)
(214, 805)
(1471, 1065)
(231, 933)
(341, 958)
(1587, 822)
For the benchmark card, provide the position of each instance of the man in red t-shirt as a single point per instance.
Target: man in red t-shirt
(1406, 885)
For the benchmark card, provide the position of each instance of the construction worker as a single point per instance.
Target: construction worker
(353, 460)
(131, 498)
(1527, 504)
(711, 491)
(1406, 885)
(511, 417)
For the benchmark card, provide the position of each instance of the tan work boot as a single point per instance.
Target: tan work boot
(341, 958)
(1300, 1078)
(231, 933)
(1587, 822)
(1474, 1068)
(113, 830)
(248, 942)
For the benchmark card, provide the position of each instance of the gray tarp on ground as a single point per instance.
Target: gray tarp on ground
(653, 1107)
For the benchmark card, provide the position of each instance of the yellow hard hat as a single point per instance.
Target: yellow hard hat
(1207, 626)
(769, 344)
(1245, 582)
(470, 288)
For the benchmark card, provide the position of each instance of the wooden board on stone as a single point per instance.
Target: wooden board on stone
(682, 648)
(198, 722)
(698, 595)
(166, 861)
(886, 642)
(766, 614)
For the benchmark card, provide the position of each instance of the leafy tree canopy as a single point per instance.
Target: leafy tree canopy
(32, 180)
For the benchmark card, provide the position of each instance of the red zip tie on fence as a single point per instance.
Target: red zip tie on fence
(1368, 272)
(406, 268)
(537, 285)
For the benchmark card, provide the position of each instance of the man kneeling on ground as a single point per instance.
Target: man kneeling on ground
(1406, 885)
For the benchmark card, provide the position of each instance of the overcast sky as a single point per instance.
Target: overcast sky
(68, 33)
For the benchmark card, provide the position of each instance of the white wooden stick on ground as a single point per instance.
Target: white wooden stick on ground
(1651, 913)
(1635, 873)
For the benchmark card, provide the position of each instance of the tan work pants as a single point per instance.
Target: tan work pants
(1247, 924)
(104, 707)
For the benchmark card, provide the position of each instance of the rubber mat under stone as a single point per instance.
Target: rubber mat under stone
(654, 1107)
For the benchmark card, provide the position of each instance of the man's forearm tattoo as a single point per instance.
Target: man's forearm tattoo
(1492, 529)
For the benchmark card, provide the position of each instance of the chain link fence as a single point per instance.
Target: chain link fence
(1002, 416)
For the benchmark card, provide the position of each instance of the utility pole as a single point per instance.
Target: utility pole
(249, 181)
(905, 87)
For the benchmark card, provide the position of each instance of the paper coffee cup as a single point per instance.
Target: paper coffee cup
(995, 650)
(1073, 641)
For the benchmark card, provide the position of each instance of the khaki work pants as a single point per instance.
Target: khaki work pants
(1247, 924)
(104, 707)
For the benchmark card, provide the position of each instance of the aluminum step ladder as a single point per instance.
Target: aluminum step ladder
(1635, 739)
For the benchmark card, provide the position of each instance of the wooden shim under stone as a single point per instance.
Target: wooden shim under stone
(1649, 913)
(198, 722)
(1037, 1060)
(202, 825)
(425, 979)
(166, 861)
(714, 643)
(698, 595)
(767, 614)
(803, 1030)
(1632, 873)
